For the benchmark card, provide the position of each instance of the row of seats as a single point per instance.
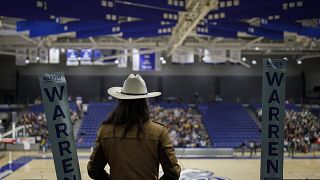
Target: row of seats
(229, 124)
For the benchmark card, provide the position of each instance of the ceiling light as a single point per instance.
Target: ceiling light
(37, 58)
(257, 48)
(27, 61)
(163, 61)
(79, 58)
(63, 50)
(117, 61)
(299, 62)
(254, 62)
(244, 59)
(161, 58)
(285, 58)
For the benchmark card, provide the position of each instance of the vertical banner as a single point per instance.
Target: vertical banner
(86, 57)
(235, 54)
(43, 55)
(144, 60)
(21, 56)
(33, 54)
(123, 61)
(54, 56)
(135, 59)
(72, 57)
(147, 62)
(55, 98)
(273, 109)
(214, 56)
(182, 57)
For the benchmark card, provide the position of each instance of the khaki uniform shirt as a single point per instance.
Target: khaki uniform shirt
(130, 158)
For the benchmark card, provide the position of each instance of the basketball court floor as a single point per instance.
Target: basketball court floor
(235, 168)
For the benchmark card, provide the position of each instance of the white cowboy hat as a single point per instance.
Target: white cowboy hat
(133, 87)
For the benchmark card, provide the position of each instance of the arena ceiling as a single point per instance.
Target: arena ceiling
(254, 26)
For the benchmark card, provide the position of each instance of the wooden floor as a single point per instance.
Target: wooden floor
(235, 169)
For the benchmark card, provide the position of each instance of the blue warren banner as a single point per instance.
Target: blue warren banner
(55, 99)
(273, 109)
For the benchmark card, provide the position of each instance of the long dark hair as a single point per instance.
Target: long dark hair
(129, 113)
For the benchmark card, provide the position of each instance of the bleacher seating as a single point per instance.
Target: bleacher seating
(97, 112)
(315, 111)
(229, 125)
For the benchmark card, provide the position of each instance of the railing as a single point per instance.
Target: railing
(14, 132)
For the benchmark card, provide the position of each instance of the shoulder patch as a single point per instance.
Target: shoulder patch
(157, 122)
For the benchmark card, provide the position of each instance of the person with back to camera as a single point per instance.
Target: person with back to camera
(130, 142)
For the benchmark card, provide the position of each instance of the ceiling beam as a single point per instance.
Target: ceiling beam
(196, 10)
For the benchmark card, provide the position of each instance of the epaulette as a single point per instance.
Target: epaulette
(158, 122)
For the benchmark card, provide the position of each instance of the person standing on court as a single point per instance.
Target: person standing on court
(129, 142)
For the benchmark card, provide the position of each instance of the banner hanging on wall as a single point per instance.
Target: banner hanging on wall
(21, 57)
(123, 60)
(273, 112)
(33, 54)
(182, 57)
(142, 61)
(86, 57)
(43, 55)
(55, 99)
(54, 56)
(72, 57)
(214, 56)
(235, 54)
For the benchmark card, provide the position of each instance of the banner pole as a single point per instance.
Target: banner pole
(273, 112)
(55, 100)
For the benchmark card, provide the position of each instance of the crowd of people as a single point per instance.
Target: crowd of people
(36, 125)
(185, 126)
(302, 129)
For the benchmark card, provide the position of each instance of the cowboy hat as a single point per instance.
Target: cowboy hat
(133, 87)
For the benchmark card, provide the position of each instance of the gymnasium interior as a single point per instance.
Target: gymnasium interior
(205, 56)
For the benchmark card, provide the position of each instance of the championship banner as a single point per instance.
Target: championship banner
(33, 54)
(86, 57)
(54, 56)
(235, 54)
(273, 109)
(43, 55)
(72, 57)
(214, 56)
(55, 99)
(144, 61)
(21, 56)
(182, 57)
(123, 61)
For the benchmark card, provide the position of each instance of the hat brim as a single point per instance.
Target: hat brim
(116, 92)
